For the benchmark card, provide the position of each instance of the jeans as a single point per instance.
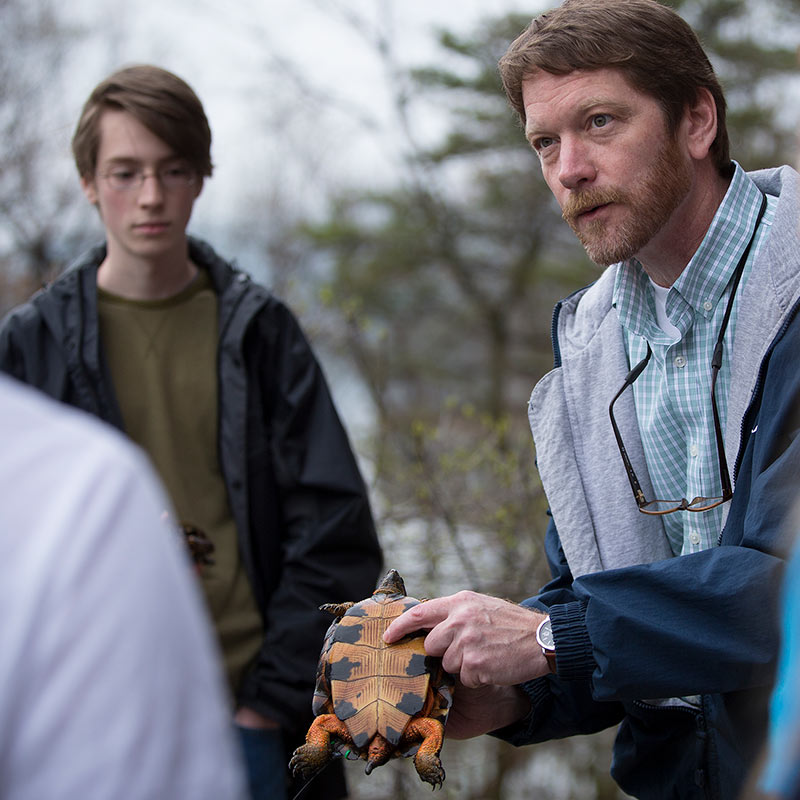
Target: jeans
(265, 763)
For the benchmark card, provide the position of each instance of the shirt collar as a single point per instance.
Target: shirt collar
(703, 281)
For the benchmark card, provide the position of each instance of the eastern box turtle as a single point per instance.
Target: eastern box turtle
(374, 700)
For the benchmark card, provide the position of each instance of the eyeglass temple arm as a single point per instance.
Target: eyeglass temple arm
(629, 379)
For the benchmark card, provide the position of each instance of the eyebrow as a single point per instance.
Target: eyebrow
(620, 109)
(134, 160)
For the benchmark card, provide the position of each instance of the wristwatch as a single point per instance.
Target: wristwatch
(544, 635)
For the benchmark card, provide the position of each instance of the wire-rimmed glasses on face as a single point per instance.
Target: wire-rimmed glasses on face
(124, 178)
(661, 507)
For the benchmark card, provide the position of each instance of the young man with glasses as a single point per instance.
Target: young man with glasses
(667, 498)
(212, 376)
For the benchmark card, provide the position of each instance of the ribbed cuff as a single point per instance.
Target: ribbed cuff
(574, 655)
(521, 733)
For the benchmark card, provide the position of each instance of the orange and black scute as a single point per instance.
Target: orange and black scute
(374, 700)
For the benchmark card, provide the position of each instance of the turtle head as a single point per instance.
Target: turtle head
(391, 584)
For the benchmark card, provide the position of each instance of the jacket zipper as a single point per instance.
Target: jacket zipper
(744, 434)
(554, 335)
(757, 388)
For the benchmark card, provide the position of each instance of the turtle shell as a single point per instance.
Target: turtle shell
(378, 687)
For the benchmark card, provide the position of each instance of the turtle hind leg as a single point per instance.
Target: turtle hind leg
(308, 759)
(426, 760)
(337, 609)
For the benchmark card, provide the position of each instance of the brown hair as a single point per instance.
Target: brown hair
(159, 100)
(649, 43)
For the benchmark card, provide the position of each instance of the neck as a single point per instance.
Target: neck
(146, 279)
(666, 255)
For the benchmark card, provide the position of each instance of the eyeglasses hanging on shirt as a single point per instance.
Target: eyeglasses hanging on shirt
(661, 507)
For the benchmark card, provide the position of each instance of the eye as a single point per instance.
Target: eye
(177, 171)
(122, 174)
(176, 175)
(601, 120)
(542, 143)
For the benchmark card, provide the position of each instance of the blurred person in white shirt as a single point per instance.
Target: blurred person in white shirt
(111, 685)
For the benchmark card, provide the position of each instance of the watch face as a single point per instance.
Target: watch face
(544, 635)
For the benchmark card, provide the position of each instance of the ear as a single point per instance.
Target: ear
(200, 185)
(700, 124)
(89, 189)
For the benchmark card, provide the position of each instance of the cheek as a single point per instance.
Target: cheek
(550, 173)
(185, 207)
(557, 189)
(111, 206)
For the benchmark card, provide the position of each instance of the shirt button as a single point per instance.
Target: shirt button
(680, 362)
(694, 537)
(693, 450)
(708, 305)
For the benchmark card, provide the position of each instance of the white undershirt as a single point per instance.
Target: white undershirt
(661, 293)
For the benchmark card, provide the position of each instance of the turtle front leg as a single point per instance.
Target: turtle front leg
(426, 760)
(308, 759)
(337, 609)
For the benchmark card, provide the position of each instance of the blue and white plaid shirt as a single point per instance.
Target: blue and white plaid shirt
(673, 394)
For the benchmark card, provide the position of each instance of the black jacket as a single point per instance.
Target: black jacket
(306, 533)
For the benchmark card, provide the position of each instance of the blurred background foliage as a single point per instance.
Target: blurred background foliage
(429, 296)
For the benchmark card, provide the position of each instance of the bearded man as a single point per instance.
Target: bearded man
(666, 434)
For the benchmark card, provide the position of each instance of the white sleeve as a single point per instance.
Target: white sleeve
(111, 686)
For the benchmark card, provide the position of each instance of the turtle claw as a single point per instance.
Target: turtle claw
(307, 760)
(434, 775)
(429, 767)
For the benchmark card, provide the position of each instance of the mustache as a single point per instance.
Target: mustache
(581, 202)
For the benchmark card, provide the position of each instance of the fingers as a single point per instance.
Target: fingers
(422, 617)
(481, 639)
(485, 709)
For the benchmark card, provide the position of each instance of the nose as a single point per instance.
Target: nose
(575, 164)
(151, 192)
